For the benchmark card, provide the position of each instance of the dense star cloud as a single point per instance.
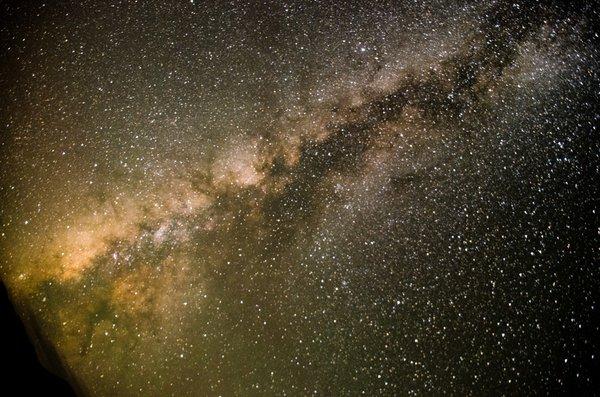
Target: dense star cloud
(294, 198)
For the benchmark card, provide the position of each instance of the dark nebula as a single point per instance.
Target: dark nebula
(304, 197)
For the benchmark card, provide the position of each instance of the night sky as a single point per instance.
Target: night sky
(304, 197)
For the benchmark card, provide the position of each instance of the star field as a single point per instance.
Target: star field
(304, 197)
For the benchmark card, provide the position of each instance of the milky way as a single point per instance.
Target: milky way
(297, 198)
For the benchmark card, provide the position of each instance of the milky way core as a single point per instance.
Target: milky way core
(304, 197)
